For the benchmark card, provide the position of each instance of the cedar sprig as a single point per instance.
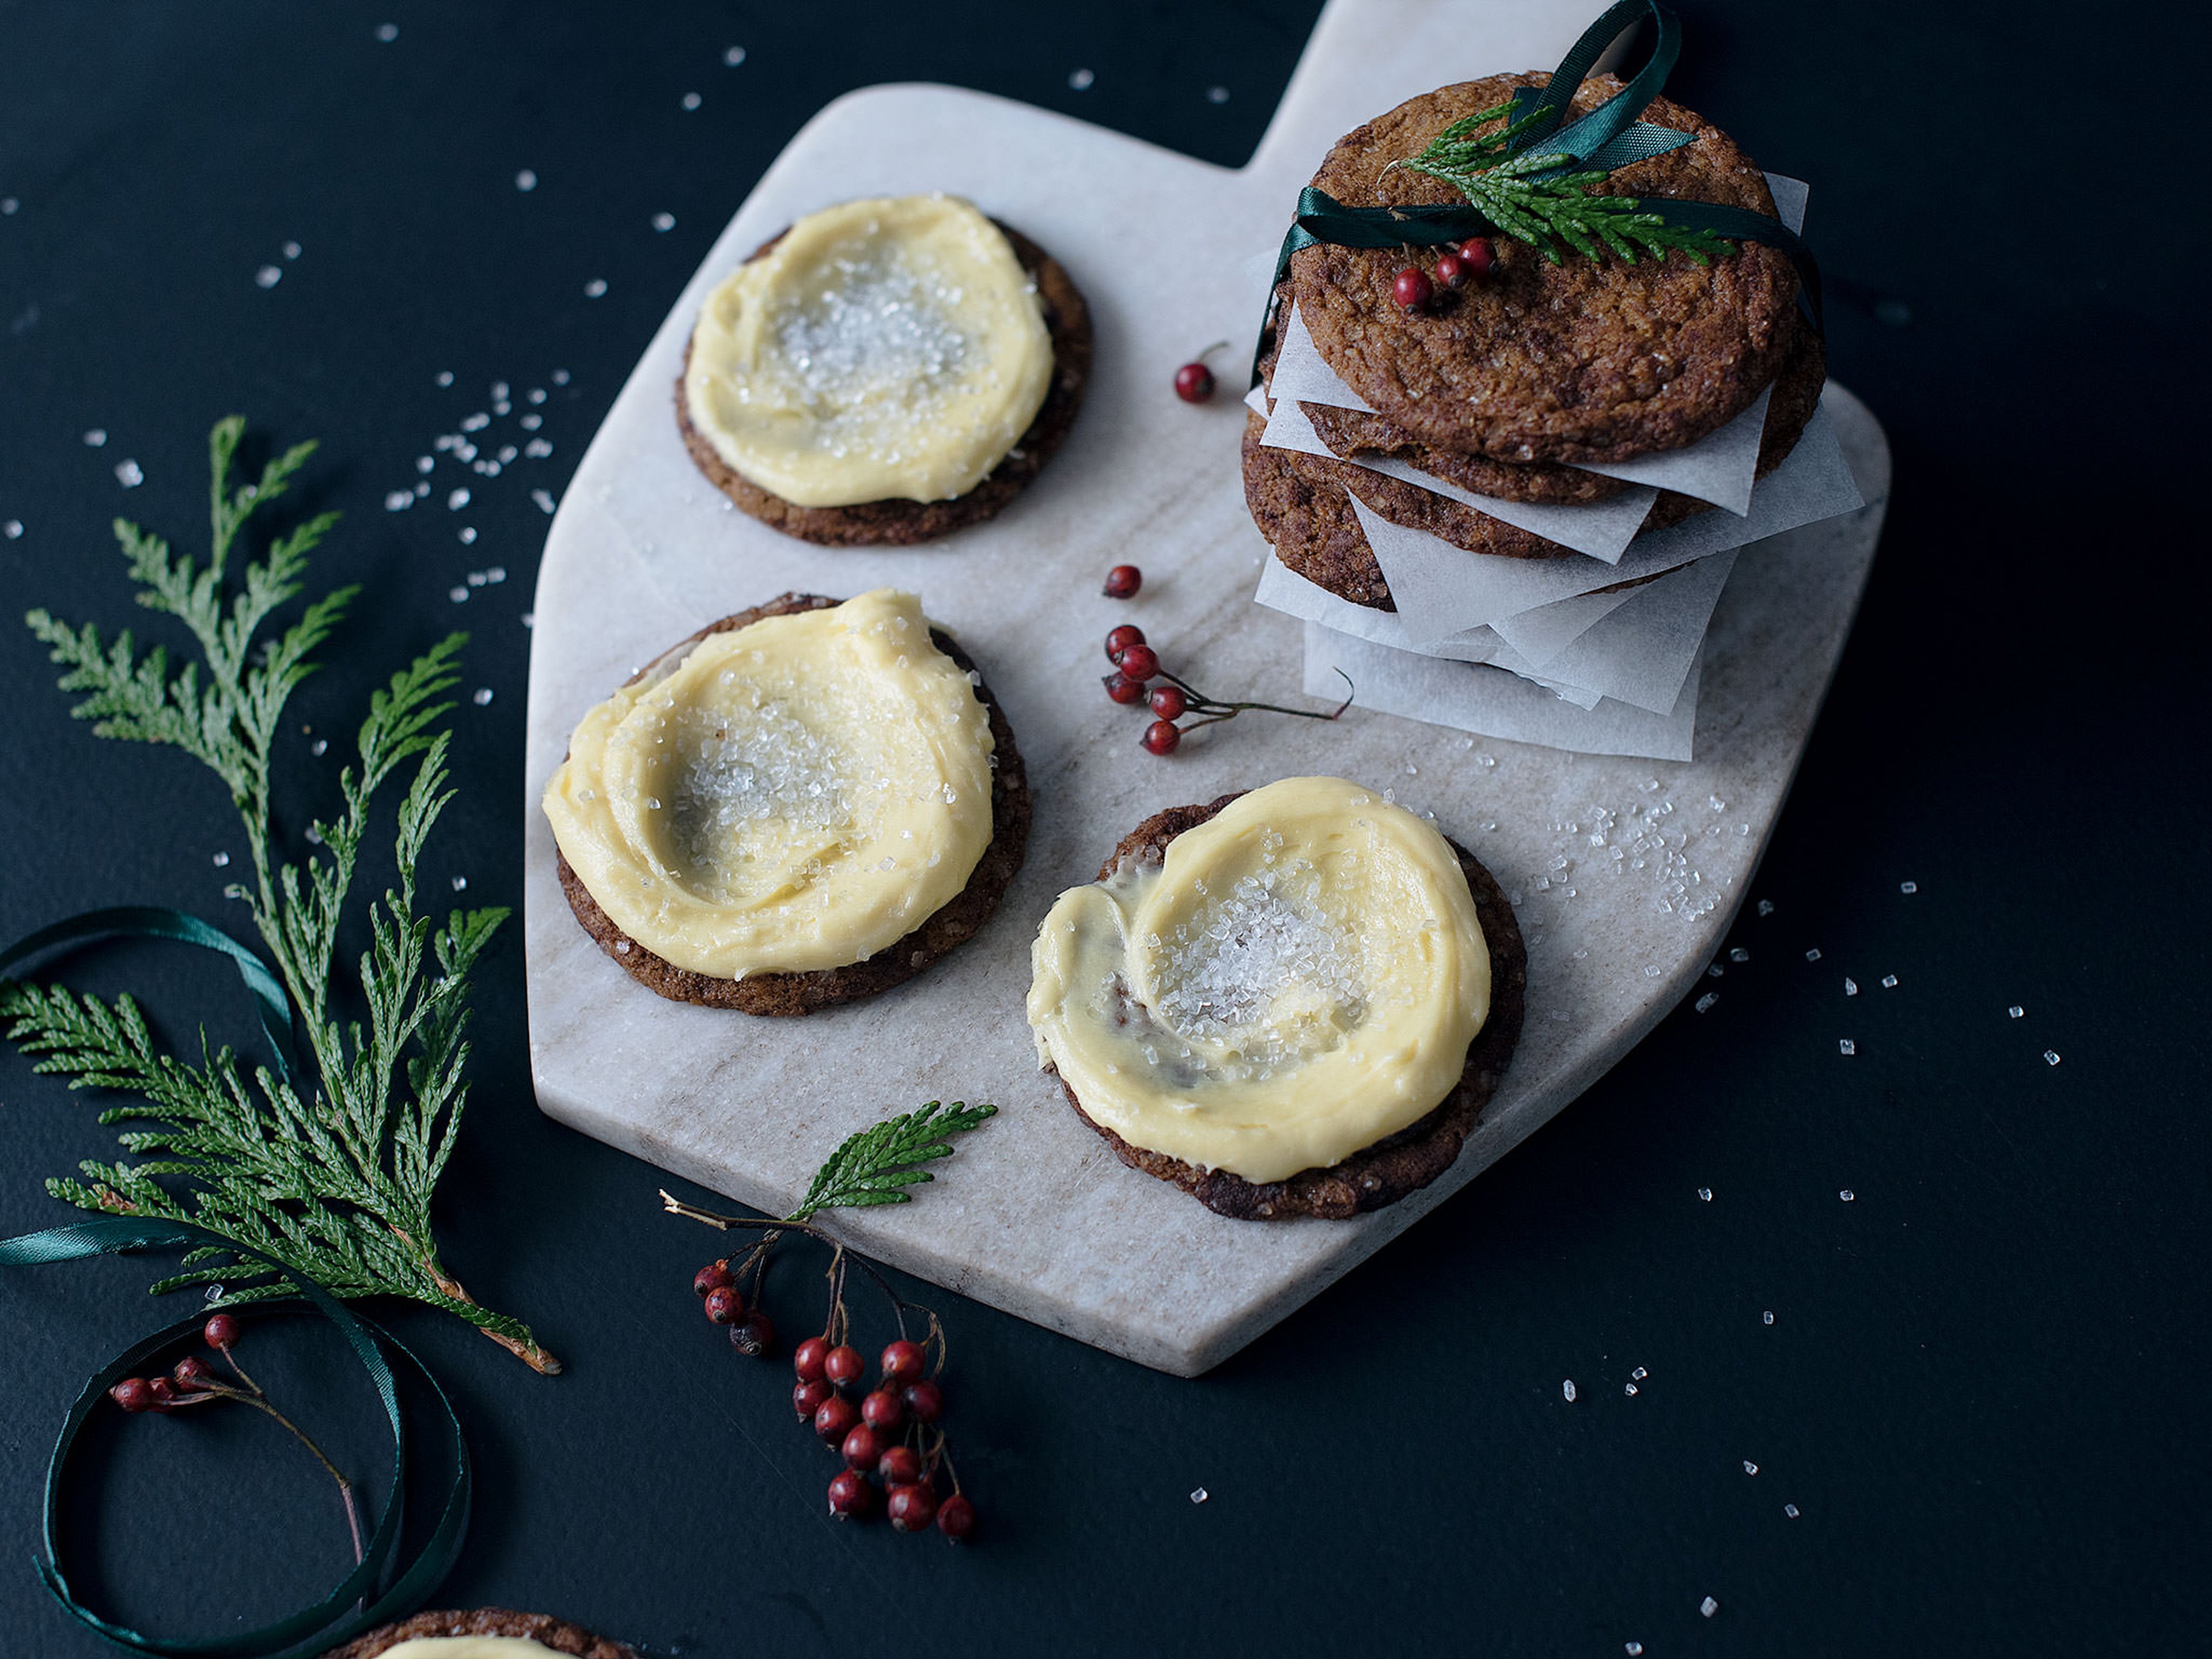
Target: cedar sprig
(331, 1174)
(1532, 198)
(876, 1166)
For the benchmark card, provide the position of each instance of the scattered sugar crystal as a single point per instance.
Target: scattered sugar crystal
(9, 204)
(314, 835)
(1789, 1509)
(291, 250)
(475, 422)
(1846, 1046)
(544, 499)
(2051, 1056)
(530, 619)
(398, 501)
(468, 538)
(1738, 954)
(1199, 1495)
(2016, 1012)
(1080, 79)
(457, 500)
(1851, 986)
(594, 289)
(1715, 971)
(387, 32)
(1767, 1318)
(506, 453)
(622, 947)
(458, 595)
(130, 474)
(532, 422)
(1766, 907)
(482, 696)
(1813, 955)
(1628, 1388)
(1750, 1468)
(1640, 1373)
(421, 489)
(733, 56)
(1889, 981)
(13, 530)
(221, 861)
(1634, 1649)
(461, 884)
(1705, 1193)
(497, 574)
(269, 275)
(1216, 94)
(1567, 1388)
(537, 449)
(1908, 887)
(663, 222)
(692, 100)
(1707, 1000)
(95, 438)
(1709, 1607)
(1848, 1196)
(445, 377)
(426, 464)
(560, 377)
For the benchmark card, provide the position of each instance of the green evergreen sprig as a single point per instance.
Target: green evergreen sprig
(332, 1177)
(876, 1166)
(1527, 196)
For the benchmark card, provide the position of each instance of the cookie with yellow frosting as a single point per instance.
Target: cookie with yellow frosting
(482, 1633)
(844, 804)
(884, 372)
(1405, 1094)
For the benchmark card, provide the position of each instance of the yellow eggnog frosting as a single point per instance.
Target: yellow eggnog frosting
(468, 1647)
(1299, 977)
(789, 796)
(889, 348)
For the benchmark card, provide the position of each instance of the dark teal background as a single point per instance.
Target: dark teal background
(1984, 1385)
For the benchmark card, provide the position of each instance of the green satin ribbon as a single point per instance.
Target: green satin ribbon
(1607, 138)
(373, 1593)
(155, 921)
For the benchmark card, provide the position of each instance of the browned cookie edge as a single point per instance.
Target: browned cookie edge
(1397, 1164)
(900, 522)
(954, 923)
(557, 1634)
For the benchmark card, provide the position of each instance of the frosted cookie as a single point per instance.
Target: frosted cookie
(482, 1633)
(883, 372)
(1293, 1002)
(1587, 359)
(801, 805)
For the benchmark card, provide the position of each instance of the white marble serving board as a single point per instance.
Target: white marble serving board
(1035, 1215)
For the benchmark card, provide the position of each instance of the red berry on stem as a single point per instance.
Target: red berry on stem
(900, 1466)
(1169, 701)
(851, 1497)
(1479, 256)
(163, 1391)
(835, 1418)
(221, 1330)
(1452, 270)
(807, 1398)
(753, 1335)
(806, 1359)
(842, 1365)
(724, 1304)
(1123, 581)
(882, 1409)
(912, 1508)
(192, 1372)
(1139, 662)
(862, 1448)
(1122, 689)
(1411, 288)
(1193, 383)
(901, 1361)
(710, 1278)
(133, 1394)
(1118, 640)
(925, 1401)
(1161, 737)
(956, 1518)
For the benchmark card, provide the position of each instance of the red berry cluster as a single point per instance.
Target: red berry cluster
(891, 1434)
(751, 1334)
(1136, 665)
(1475, 257)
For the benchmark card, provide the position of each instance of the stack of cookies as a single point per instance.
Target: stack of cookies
(1442, 476)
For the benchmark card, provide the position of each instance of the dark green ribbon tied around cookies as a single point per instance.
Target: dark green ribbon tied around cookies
(388, 1581)
(1609, 137)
